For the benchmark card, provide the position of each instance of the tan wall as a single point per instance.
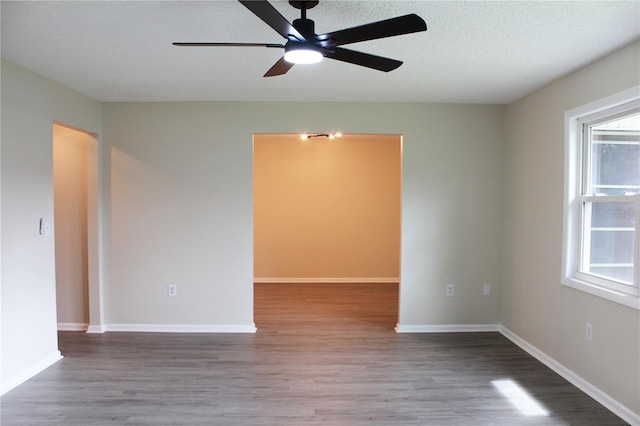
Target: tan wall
(70, 151)
(327, 210)
(535, 305)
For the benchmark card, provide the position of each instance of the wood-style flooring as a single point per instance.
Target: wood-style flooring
(323, 355)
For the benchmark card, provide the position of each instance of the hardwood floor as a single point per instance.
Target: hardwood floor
(321, 356)
(320, 308)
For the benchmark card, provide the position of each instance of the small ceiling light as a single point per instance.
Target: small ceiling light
(304, 136)
(299, 53)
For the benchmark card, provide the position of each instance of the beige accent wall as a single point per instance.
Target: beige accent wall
(70, 177)
(327, 210)
(535, 305)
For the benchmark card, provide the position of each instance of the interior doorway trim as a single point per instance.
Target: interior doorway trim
(266, 275)
(95, 235)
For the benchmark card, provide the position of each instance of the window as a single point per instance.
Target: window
(602, 197)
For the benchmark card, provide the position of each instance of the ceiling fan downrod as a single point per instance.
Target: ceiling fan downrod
(304, 6)
(305, 26)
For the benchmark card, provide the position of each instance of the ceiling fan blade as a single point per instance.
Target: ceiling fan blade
(280, 67)
(406, 24)
(265, 11)
(190, 44)
(363, 59)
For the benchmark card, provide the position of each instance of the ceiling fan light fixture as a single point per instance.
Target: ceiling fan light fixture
(297, 53)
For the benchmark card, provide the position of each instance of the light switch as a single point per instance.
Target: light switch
(45, 227)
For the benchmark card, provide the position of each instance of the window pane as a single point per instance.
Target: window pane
(609, 240)
(618, 215)
(615, 157)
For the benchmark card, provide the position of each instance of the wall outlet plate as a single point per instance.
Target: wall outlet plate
(172, 290)
(450, 290)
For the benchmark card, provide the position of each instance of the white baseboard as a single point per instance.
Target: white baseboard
(72, 326)
(96, 329)
(326, 280)
(447, 328)
(17, 380)
(603, 398)
(179, 328)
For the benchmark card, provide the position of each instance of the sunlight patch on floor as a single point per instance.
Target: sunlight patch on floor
(519, 397)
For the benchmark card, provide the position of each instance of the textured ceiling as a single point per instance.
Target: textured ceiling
(473, 52)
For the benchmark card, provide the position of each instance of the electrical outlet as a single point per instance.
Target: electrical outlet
(172, 290)
(486, 290)
(589, 332)
(450, 290)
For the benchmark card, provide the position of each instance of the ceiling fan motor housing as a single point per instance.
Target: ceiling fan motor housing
(306, 27)
(304, 4)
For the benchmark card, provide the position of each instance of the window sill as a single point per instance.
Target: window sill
(627, 300)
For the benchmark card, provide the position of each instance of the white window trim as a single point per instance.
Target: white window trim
(572, 202)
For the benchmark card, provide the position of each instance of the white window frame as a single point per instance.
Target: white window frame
(572, 229)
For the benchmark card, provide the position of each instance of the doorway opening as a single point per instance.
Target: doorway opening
(327, 230)
(76, 225)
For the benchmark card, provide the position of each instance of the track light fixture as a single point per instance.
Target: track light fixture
(306, 136)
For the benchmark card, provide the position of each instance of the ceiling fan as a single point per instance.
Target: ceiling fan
(305, 46)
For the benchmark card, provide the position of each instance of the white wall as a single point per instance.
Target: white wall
(535, 306)
(182, 206)
(30, 105)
